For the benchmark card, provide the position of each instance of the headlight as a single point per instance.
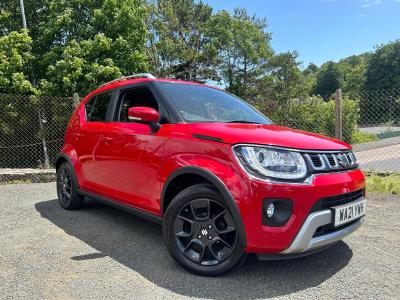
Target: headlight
(270, 162)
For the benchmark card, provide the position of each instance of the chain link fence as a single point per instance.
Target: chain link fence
(370, 122)
(378, 146)
(32, 129)
(31, 135)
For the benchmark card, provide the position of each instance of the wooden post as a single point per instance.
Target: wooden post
(76, 99)
(338, 115)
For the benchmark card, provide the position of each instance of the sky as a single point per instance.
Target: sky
(322, 30)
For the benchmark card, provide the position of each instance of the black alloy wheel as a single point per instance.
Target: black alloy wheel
(201, 233)
(67, 190)
(64, 184)
(205, 232)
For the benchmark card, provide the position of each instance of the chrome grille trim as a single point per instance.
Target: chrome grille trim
(331, 161)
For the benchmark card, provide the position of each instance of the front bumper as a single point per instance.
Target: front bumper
(296, 236)
(305, 240)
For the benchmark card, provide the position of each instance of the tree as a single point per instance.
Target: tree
(243, 48)
(177, 44)
(285, 82)
(353, 70)
(328, 80)
(288, 80)
(74, 45)
(15, 59)
(311, 69)
(84, 43)
(11, 19)
(383, 70)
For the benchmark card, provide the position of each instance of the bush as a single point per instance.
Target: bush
(315, 115)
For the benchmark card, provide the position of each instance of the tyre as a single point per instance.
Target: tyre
(67, 188)
(201, 233)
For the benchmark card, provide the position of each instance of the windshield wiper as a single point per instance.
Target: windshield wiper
(243, 121)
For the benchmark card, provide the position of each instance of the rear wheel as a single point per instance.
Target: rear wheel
(67, 188)
(201, 233)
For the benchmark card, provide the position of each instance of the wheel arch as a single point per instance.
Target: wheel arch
(61, 158)
(204, 176)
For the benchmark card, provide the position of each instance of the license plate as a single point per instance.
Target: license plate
(349, 212)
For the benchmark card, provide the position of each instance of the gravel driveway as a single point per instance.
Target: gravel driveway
(100, 252)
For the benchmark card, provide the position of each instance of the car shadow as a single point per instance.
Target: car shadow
(138, 244)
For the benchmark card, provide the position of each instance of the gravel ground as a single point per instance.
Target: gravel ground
(99, 252)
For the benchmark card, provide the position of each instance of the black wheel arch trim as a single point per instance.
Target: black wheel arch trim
(63, 156)
(218, 184)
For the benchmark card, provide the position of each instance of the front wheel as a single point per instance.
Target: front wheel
(201, 233)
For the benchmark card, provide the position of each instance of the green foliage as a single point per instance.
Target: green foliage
(316, 115)
(288, 81)
(15, 59)
(360, 137)
(85, 43)
(347, 74)
(242, 46)
(72, 46)
(328, 80)
(11, 19)
(383, 183)
(178, 45)
(75, 45)
(383, 71)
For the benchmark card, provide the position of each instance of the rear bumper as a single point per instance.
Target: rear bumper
(305, 240)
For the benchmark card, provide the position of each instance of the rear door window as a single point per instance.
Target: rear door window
(97, 107)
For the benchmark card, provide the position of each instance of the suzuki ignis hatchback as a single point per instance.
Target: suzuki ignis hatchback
(217, 174)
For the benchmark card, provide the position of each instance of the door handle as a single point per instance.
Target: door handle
(77, 136)
(107, 139)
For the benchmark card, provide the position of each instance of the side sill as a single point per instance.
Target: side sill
(130, 209)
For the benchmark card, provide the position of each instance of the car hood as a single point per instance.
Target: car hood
(235, 133)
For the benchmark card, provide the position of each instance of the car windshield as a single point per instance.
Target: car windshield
(198, 103)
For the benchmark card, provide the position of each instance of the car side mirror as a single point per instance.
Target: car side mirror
(144, 114)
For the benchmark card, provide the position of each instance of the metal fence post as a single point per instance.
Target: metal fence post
(45, 153)
(338, 115)
(76, 99)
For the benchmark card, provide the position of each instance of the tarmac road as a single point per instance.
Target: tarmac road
(99, 252)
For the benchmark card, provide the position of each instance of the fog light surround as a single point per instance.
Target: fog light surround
(276, 212)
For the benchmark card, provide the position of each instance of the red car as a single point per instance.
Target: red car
(217, 174)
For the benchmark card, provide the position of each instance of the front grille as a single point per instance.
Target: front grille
(335, 161)
(326, 203)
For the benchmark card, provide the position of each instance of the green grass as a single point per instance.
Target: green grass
(360, 137)
(17, 181)
(383, 184)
